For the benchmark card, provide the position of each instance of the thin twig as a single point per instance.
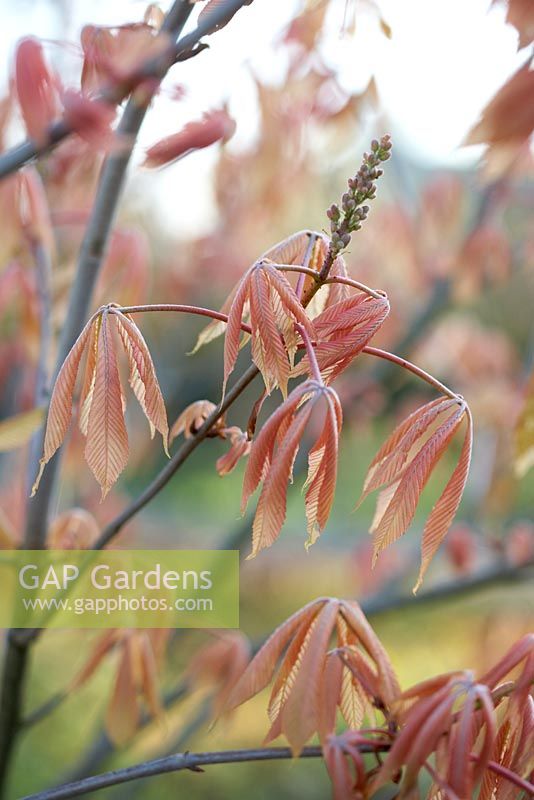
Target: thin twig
(522, 783)
(176, 461)
(203, 312)
(312, 358)
(177, 762)
(405, 364)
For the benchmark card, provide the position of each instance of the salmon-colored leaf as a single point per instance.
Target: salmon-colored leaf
(143, 378)
(106, 447)
(272, 456)
(215, 126)
(60, 410)
(444, 511)
(36, 89)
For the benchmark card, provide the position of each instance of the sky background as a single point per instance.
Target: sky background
(445, 60)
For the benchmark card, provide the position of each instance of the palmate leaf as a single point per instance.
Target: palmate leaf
(306, 691)
(342, 331)
(272, 304)
(402, 468)
(106, 447)
(272, 456)
(101, 416)
(291, 251)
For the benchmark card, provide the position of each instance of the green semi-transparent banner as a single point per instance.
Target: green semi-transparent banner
(119, 589)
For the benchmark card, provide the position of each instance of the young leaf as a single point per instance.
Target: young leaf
(306, 690)
(36, 89)
(216, 126)
(60, 411)
(101, 417)
(291, 251)
(106, 447)
(342, 330)
(239, 448)
(143, 378)
(273, 308)
(404, 472)
(272, 456)
(191, 419)
(444, 511)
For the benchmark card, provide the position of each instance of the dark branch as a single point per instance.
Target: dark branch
(177, 762)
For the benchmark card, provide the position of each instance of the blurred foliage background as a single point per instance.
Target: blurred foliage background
(447, 238)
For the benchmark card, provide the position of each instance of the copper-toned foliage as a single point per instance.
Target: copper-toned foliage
(272, 457)
(36, 89)
(41, 96)
(113, 55)
(192, 418)
(342, 330)
(239, 448)
(101, 415)
(520, 14)
(215, 126)
(311, 683)
(304, 246)
(402, 468)
(136, 679)
(455, 718)
(89, 118)
(346, 766)
(507, 122)
(273, 308)
(219, 664)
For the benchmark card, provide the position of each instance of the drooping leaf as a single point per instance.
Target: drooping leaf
(291, 251)
(143, 379)
(239, 448)
(102, 403)
(36, 89)
(272, 304)
(60, 410)
(307, 690)
(216, 126)
(272, 456)
(444, 511)
(342, 330)
(106, 447)
(403, 466)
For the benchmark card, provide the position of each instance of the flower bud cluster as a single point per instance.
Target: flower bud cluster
(347, 217)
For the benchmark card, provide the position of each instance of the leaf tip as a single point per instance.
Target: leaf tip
(42, 464)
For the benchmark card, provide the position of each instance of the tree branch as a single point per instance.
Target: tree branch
(181, 761)
(413, 368)
(91, 255)
(176, 461)
(27, 151)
